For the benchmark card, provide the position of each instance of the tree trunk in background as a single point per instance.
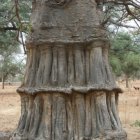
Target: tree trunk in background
(68, 92)
(3, 82)
(127, 82)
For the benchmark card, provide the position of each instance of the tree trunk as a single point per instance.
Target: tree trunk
(127, 82)
(68, 92)
(69, 117)
(3, 82)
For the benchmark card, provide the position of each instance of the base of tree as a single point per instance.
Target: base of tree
(58, 116)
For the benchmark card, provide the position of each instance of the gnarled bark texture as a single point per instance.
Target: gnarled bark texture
(68, 92)
(57, 116)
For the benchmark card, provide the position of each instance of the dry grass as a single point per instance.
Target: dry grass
(129, 109)
(9, 108)
(129, 103)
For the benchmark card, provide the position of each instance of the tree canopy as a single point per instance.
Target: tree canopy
(14, 17)
(9, 63)
(118, 12)
(125, 55)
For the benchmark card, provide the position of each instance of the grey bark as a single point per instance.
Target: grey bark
(69, 92)
(5, 135)
(69, 117)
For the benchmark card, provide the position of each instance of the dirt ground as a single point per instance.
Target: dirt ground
(9, 109)
(129, 109)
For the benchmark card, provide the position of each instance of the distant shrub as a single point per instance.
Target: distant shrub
(136, 123)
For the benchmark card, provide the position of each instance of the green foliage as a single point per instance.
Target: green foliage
(125, 55)
(131, 64)
(5, 14)
(115, 64)
(121, 43)
(136, 123)
(15, 15)
(8, 44)
(8, 67)
(9, 48)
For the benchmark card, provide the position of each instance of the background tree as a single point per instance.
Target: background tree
(9, 63)
(14, 26)
(7, 69)
(125, 56)
(119, 12)
(14, 16)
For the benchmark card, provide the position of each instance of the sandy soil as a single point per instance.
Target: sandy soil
(133, 133)
(9, 109)
(129, 110)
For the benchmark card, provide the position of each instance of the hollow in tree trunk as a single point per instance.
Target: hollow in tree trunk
(68, 92)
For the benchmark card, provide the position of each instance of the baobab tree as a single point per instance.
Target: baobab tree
(69, 92)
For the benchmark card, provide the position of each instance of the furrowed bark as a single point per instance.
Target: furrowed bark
(69, 92)
(65, 117)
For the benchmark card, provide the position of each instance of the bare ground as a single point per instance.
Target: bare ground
(9, 109)
(129, 109)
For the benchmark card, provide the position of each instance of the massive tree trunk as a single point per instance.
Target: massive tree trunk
(68, 92)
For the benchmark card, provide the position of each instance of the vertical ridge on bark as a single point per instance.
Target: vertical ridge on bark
(47, 65)
(62, 66)
(54, 75)
(88, 118)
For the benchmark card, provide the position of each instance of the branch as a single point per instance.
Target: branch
(19, 20)
(9, 29)
(126, 4)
